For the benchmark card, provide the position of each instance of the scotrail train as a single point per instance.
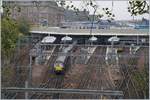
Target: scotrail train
(61, 60)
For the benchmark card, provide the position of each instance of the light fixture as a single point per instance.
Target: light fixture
(66, 39)
(93, 39)
(49, 39)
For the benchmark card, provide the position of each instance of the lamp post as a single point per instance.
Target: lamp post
(93, 21)
(137, 38)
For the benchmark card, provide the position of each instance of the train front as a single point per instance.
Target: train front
(59, 68)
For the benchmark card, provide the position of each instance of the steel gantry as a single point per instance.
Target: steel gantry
(72, 91)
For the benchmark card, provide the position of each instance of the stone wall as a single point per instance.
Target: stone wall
(37, 13)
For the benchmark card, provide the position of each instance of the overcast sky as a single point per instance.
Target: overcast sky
(119, 9)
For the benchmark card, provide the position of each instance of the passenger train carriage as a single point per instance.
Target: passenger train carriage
(60, 63)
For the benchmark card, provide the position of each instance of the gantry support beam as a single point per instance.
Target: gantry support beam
(53, 90)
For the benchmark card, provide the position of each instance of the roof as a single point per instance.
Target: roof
(61, 31)
(61, 59)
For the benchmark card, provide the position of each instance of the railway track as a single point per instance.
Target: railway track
(46, 83)
(128, 82)
(128, 85)
(102, 74)
(102, 82)
(93, 76)
(53, 80)
(91, 82)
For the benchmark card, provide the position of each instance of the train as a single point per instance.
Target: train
(61, 60)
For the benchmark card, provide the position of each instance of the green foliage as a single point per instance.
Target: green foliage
(141, 78)
(11, 30)
(23, 26)
(138, 7)
(7, 8)
(9, 35)
(6, 11)
(7, 73)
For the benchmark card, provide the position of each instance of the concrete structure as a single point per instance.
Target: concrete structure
(86, 32)
(127, 36)
(46, 13)
(71, 15)
(143, 24)
(139, 24)
(103, 24)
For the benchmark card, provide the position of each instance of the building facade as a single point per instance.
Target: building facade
(45, 13)
(103, 24)
(71, 15)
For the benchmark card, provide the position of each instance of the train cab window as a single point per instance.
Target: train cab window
(58, 64)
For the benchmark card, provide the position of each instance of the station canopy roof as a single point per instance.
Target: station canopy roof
(66, 38)
(48, 39)
(114, 39)
(86, 32)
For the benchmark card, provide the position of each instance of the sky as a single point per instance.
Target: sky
(119, 9)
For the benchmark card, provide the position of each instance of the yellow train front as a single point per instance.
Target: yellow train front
(59, 66)
(60, 63)
(59, 69)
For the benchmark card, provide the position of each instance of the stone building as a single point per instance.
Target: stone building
(46, 13)
(71, 15)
